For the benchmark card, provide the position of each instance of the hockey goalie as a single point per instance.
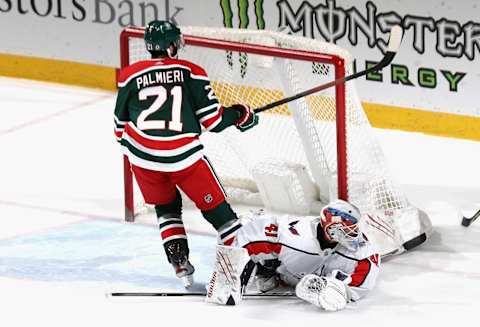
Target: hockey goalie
(327, 258)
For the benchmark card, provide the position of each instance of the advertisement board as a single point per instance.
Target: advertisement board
(436, 70)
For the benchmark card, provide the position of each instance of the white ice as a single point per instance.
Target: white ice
(64, 245)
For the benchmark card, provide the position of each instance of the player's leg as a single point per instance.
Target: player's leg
(159, 190)
(174, 238)
(201, 185)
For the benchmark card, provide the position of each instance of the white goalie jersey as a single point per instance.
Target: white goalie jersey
(298, 245)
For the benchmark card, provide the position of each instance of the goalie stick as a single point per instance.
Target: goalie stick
(467, 221)
(393, 44)
(179, 294)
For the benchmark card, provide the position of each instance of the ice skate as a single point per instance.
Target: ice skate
(177, 253)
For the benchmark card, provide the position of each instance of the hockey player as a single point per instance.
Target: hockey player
(162, 105)
(327, 258)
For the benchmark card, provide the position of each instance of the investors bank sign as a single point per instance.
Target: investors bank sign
(436, 68)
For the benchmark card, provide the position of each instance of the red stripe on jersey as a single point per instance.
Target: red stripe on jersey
(128, 71)
(207, 123)
(158, 144)
(229, 241)
(375, 258)
(360, 273)
(263, 247)
(172, 232)
(118, 134)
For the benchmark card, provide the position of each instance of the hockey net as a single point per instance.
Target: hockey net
(326, 134)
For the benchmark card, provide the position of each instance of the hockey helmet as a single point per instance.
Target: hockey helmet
(160, 34)
(340, 223)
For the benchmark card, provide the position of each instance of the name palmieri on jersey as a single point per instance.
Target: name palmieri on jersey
(159, 77)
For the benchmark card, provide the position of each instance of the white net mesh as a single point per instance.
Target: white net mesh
(302, 132)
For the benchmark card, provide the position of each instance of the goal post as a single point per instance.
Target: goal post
(320, 146)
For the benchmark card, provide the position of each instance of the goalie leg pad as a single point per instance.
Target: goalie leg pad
(326, 293)
(225, 286)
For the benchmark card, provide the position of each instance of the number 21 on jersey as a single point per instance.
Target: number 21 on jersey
(161, 95)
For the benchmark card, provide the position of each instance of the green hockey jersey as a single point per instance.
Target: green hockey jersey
(161, 107)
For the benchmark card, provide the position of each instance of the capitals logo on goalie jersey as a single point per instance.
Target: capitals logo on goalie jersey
(292, 227)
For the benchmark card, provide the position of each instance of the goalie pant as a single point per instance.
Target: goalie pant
(294, 241)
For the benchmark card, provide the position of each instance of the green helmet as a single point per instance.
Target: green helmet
(160, 34)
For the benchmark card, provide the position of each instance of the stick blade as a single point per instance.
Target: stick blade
(466, 222)
(395, 40)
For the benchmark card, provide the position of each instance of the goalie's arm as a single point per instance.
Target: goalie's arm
(333, 292)
(363, 278)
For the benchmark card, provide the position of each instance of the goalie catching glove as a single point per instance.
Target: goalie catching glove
(247, 117)
(327, 293)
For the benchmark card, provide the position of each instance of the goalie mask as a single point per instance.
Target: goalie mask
(339, 221)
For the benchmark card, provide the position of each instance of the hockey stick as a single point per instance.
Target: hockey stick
(467, 221)
(179, 294)
(393, 44)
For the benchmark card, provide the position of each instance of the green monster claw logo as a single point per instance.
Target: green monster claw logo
(242, 13)
(244, 21)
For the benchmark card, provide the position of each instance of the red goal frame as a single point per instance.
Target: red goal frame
(336, 61)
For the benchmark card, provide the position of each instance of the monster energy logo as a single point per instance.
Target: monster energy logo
(332, 23)
(244, 20)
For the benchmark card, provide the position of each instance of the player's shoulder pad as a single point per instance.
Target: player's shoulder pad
(127, 73)
(196, 71)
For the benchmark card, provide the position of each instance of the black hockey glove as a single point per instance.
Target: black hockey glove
(247, 117)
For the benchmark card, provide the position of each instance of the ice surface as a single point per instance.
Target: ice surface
(63, 244)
